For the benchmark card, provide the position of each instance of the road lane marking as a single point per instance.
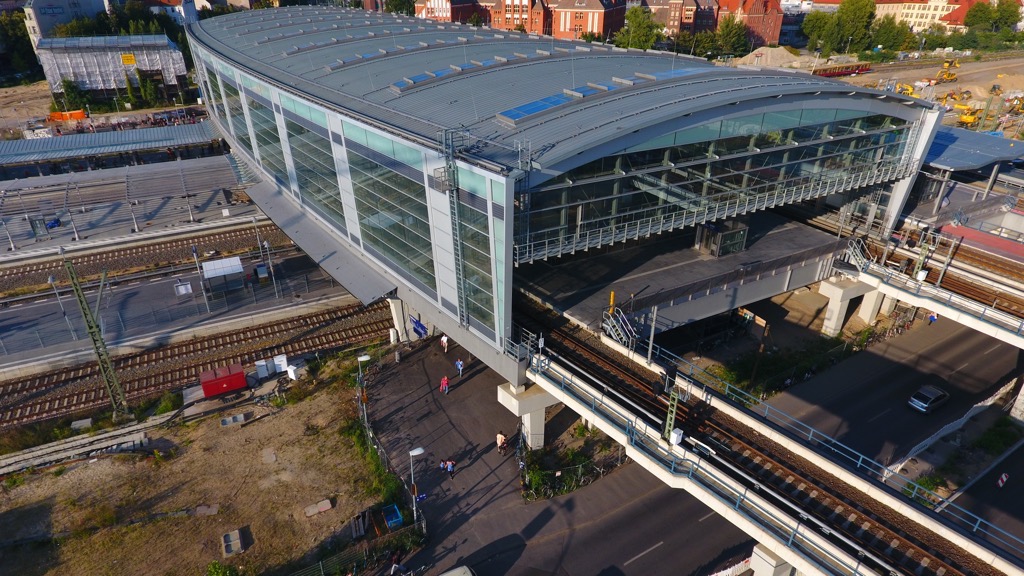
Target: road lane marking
(642, 553)
(706, 516)
(1000, 345)
(880, 414)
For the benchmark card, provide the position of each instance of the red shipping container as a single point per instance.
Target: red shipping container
(223, 380)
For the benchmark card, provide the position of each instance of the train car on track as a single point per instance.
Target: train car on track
(842, 69)
(222, 380)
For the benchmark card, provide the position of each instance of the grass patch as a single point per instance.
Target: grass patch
(14, 480)
(378, 482)
(999, 438)
(169, 402)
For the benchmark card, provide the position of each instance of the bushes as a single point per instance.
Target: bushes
(999, 438)
(381, 482)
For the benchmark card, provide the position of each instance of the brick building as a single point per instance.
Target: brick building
(762, 17)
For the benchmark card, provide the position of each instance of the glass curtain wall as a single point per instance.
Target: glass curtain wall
(234, 102)
(214, 93)
(476, 248)
(268, 140)
(711, 163)
(314, 160)
(392, 210)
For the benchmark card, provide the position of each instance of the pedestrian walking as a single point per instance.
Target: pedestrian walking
(932, 318)
(444, 385)
(396, 565)
(501, 440)
(451, 469)
(459, 365)
(444, 343)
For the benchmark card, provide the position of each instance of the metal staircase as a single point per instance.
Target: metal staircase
(449, 141)
(619, 328)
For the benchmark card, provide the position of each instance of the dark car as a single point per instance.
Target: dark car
(927, 399)
(51, 224)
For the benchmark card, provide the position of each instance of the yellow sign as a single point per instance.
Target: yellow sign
(128, 59)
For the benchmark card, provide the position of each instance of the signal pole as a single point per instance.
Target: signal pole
(114, 390)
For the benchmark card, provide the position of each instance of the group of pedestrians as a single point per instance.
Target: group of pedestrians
(459, 367)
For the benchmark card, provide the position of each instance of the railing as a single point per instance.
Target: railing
(787, 531)
(981, 312)
(705, 384)
(768, 195)
(619, 327)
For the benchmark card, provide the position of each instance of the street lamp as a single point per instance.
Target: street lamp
(412, 475)
(848, 42)
(67, 192)
(362, 358)
(9, 239)
(259, 244)
(202, 287)
(53, 283)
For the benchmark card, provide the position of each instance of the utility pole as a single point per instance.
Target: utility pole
(114, 390)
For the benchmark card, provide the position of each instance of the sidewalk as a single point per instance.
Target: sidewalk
(479, 516)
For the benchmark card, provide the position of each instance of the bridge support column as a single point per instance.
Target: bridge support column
(763, 562)
(398, 316)
(870, 306)
(528, 402)
(839, 293)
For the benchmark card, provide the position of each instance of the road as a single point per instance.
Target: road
(863, 401)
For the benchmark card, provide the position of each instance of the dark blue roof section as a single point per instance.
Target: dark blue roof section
(531, 108)
(958, 149)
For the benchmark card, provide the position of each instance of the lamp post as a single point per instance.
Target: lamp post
(848, 42)
(259, 244)
(202, 287)
(412, 475)
(362, 358)
(67, 192)
(9, 239)
(270, 267)
(53, 283)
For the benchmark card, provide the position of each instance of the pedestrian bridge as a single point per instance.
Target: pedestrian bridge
(976, 315)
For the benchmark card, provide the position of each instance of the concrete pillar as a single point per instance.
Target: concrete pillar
(991, 181)
(533, 429)
(870, 306)
(888, 305)
(398, 317)
(763, 562)
(839, 294)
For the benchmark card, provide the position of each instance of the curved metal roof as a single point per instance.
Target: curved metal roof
(415, 77)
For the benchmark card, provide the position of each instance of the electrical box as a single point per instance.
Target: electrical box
(676, 437)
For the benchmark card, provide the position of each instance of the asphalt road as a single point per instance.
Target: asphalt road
(862, 402)
(1002, 507)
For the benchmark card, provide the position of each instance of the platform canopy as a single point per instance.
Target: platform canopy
(222, 267)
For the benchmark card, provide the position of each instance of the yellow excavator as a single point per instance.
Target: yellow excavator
(946, 74)
(907, 90)
(969, 118)
(955, 96)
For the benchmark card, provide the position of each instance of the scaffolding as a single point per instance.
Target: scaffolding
(105, 63)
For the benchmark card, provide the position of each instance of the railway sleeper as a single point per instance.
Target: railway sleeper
(849, 521)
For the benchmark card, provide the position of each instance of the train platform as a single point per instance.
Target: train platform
(580, 286)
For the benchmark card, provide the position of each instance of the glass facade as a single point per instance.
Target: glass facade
(265, 134)
(712, 163)
(392, 209)
(214, 91)
(476, 249)
(310, 146)
(234, 105)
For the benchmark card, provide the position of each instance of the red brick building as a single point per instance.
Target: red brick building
(762, 17)
(572, 18)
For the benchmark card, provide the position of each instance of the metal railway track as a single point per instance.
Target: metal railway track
(138, 256)
(889, 542)
(151, 372)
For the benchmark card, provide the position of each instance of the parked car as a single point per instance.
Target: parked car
(51, 224)
(927, 399)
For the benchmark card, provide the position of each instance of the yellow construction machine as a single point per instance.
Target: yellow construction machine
(969, 118)
(955, 96)
(907, 90)
(946, 74)
(996, 90)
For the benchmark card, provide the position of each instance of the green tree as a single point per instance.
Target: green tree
(521, 28)
(407, 7)
(75, 28)
(683, 42)
(817, 26)
(705, 43)
(74, 97)
(731, 36)
(215, 568)
(892, 35)
(1006, 15)
(132, 95)
(640, 31)
(979, 17)
(14, 37)
(591, 37)
(475, 20)
(852, 31)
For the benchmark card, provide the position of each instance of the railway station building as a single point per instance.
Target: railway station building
(446, 167)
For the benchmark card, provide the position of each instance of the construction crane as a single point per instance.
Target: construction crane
(114, 390)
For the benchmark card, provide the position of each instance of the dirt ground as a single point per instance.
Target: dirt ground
(21, 103)
(260, 477)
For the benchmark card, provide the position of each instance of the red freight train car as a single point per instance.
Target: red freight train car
(223, 380)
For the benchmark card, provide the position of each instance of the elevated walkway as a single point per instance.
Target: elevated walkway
(981, 317)
(786, 532)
